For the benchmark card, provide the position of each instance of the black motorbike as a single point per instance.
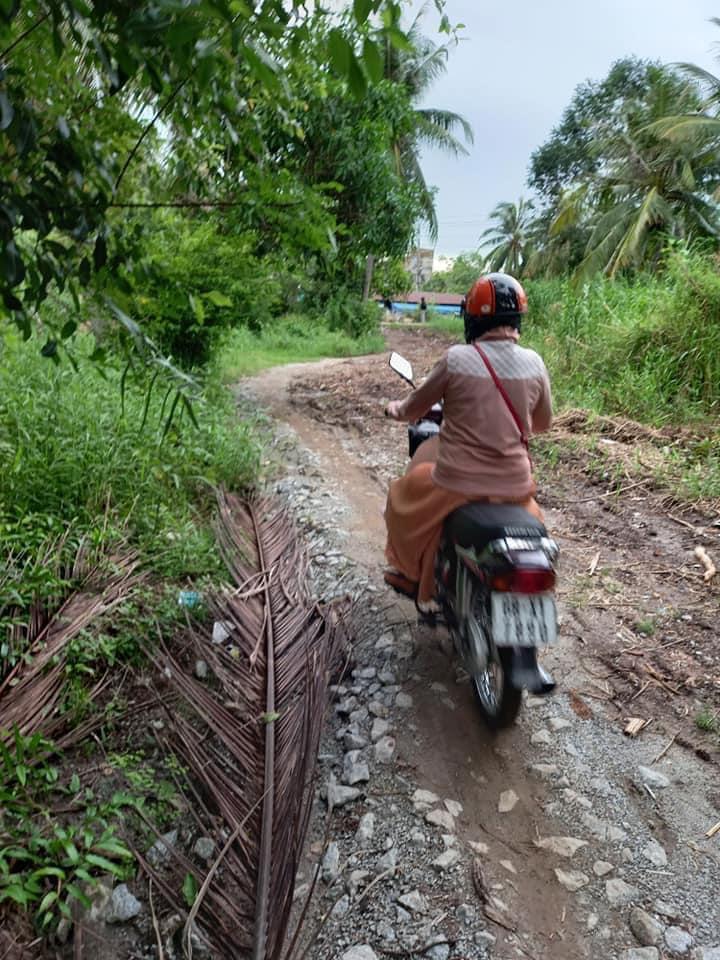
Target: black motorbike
(495, 576)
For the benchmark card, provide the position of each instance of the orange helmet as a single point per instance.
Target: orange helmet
(494, 300)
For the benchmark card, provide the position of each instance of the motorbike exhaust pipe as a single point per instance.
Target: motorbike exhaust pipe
(525, 671)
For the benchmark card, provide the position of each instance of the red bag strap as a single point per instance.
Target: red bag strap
(508, 402)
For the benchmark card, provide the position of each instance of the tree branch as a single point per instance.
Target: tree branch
(138, 143)
(22, 36)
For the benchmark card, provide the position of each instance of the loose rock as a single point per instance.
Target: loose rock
(338, 795)
(453, 807)
(542, 737)
(561, 846)
(572, 880)
(123, 906)
(508, 801)
(403, 700)
(647, 930)
(424, 797)
(331, 863)
(441, 951)
(159, 853)
(653, 778)
(641, 953)
(601, 868)
(441, 818)
(388, 862)
(448, 858)
(380, 728)
(414, 901)
(655, 853)
(559, 723)
(354, 769)
(620, 893)
(678, 940)
(362, 952)
(204, 848)
(385, 750)
(366, 829)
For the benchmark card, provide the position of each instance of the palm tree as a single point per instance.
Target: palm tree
(416, 69)
(509, 236)
(649, 185)
(704, 121)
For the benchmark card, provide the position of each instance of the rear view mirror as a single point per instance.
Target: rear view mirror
(402, 367)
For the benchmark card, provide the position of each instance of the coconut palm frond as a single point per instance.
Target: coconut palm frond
(450, 122)
(250, 738)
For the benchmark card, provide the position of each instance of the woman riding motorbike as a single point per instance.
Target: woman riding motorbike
(495, 394)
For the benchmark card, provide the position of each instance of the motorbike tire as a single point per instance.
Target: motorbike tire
(508, 699)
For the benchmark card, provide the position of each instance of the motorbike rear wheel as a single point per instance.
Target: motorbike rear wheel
(498, 700)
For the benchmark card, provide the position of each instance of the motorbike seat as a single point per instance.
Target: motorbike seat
(477, 524)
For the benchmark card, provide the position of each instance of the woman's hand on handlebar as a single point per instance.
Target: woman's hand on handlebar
(392, 410)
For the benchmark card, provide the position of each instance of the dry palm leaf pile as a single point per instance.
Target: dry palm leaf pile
(31, 689)
(248, 736)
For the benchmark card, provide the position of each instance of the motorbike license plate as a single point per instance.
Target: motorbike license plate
(523, 620)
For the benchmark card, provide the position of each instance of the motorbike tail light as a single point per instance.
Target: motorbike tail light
(524, 581)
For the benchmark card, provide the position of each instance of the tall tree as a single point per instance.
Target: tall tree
(623, 184)
(509, 237)
(73, 74)
(415, 66)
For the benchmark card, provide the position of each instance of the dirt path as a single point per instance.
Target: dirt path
(638, 639)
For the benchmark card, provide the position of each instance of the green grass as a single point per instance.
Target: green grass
(80, 462)
(646, 348)
(707, 721)
(291, 339)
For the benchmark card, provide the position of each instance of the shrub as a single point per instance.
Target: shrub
(348, 314)
(198, 281)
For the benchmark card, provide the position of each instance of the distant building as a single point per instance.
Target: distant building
(419, 264)
(443, 264)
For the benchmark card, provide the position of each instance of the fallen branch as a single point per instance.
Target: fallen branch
(659, 680)
(664, 750)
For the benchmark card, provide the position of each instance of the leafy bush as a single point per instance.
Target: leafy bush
(348, 314)
(45, 863)
(198, 281)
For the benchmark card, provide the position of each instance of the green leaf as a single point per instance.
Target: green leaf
(196, 305)
(50, 349)
(340, 52)
(373, 60)
(270, 717)
(219, 299)
(356, 78)
(189, 889)
(68, 329)
(103, 864)
(47, 901)
(361, 9)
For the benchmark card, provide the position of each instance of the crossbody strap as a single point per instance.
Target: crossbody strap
(508, 402)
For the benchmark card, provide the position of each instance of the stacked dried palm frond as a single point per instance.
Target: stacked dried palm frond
(250, 736)
(31, 691)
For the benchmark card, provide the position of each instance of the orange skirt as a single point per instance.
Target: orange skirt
(414, 515)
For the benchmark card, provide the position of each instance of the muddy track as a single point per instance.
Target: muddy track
(638, 639)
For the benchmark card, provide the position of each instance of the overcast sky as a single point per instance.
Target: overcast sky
(514, 74)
